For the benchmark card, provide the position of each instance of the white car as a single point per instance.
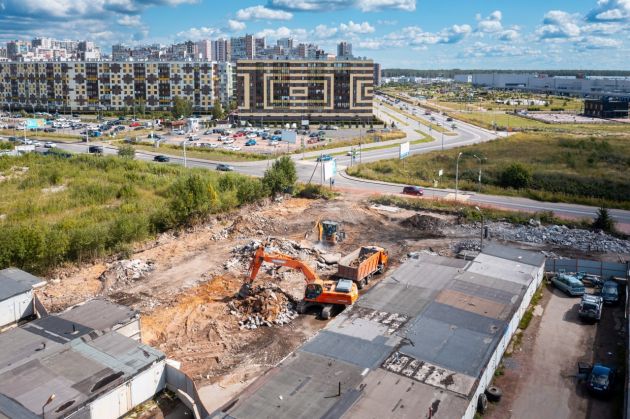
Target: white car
(273, 143)
(251, 136)
(50, 144)
(37, 143)
(228, 141)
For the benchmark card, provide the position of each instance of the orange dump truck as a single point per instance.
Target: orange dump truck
(360, 265)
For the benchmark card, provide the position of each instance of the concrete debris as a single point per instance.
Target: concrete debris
(580, 239)
(267, 306)
(424, 222)
(124, 272)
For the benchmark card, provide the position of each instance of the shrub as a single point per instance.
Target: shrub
(192, 198)
(515, 176)
(281, 176)
(604, 221)
(126, 151)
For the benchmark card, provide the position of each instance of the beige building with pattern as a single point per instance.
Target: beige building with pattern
(299, 90)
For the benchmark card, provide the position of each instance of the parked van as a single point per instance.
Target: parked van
(569, 284)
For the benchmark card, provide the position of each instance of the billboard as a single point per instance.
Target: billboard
(404, 150)
(38, 123)
(330, 169)
(289, 136)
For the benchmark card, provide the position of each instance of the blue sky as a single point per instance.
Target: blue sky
(517, 34)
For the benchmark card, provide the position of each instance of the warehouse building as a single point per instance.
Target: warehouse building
(111, 86)
(86, 362)
(424, 342)
(302, 90)
(605, 108)
(16, 296)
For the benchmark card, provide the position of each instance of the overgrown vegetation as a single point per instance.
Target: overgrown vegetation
(563, 168)
(55, 209)
(604, 221)
(281, 176)
(529, 313)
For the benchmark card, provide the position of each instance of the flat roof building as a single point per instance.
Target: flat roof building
(606, 108)
(424, 341)
(16, 295)
(299, 90)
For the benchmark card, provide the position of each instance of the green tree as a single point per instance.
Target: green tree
(181, 108)
(281, 176)
(217, 110)
(126, 151)
(192, 198)
(515, 176)
(604, 221)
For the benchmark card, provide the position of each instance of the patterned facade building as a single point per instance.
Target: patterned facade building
(92, 86)
(313, 90)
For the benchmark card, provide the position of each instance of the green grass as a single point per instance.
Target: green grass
(434, 127)
(400, 121)
(203, 153)
(84, 207)
(367, 139)
(57, 136)
(529, 313)
(563, 168)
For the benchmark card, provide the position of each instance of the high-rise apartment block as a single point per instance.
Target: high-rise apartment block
(344, 50)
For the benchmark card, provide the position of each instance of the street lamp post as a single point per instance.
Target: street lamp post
(482, 228)
(457, 176)
(185, 161)
(480, 161)
(442, 140)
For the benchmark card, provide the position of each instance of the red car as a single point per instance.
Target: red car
(238, 134)
(135, 124)
(413, 190)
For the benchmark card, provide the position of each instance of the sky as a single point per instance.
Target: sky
(420, 34)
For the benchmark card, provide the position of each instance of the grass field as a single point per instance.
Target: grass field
(54, 210)
(201, 153)
(367, 139)
(563, 168)
(423, 121)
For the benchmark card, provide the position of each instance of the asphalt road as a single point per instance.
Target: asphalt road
(308, 169)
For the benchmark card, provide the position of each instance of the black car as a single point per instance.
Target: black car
(95, 149)
(162, 159)
(601, 380)
(413, 190)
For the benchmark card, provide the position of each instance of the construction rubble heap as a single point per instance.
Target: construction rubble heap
(124, 272)
(267, 305)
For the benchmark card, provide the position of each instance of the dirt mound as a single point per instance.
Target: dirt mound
(266, 306)
(124, 272)
(431, 225)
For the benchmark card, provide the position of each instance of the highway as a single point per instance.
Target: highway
(466, 134)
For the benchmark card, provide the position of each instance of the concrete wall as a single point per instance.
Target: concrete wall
(182, 385)
(16, 308)
(130, 330)
(495, 359)
(130, 394)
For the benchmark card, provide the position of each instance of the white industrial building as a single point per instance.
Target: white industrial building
(16, 295)
(586, 87)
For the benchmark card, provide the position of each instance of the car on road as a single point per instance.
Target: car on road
(325, 157)
(449, 119)
(601, 380)
(610, 292)
(591, 307)
(178, 132)
(162, 158)
(250, 142)
(37, 143)
(95, 149)
(568, 284)
(413, 190)
(225, 168)
(50, 129)
(50, 144)
(135, 124)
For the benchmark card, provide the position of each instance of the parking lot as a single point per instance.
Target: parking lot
(541, 379)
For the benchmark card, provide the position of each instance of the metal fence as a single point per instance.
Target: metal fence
(603, 269)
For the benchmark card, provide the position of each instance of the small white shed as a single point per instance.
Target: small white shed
(16, 295)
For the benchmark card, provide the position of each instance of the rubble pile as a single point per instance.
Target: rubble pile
(467, 245)
(266, 306)
(423, 222)
(585, 240)
(124, 272)
(243, 254)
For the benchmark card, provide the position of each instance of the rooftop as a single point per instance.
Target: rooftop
(15, 281)
(420, 338)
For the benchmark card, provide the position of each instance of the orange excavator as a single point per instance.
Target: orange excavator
(325, 295)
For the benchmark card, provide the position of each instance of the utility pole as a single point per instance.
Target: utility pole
(457, 176)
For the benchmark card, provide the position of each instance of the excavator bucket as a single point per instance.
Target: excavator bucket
(245, 291)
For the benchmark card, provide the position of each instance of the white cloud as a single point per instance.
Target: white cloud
(235, 25)
(283, 32)
(610, 11)
(129, 20)
(203, 32)
(598, 42)
(559, 24)
(354, 28)
(326, 5)
(490, 24)
(508, 35)
(261, 12)
(323, 31)
(481, 50)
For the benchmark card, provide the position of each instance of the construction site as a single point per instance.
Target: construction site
(232, 298)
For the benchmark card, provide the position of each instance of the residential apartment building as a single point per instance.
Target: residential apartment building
(110, 85)
(297, 90)
(204, 48)
(344, 50)
(221, 50)
(377, 74)
(243, 48)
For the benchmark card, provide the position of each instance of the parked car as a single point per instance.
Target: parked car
(314, 134)
(225, 168)
(601, 380)
(37, 143)
(135, 124)
(95, 149)
(277, 132)
(50, 129)
(569, 284)
(413, 190)
(250, 142)
(591, 307)
(276, 138)
(274, 143)
(208, 132)
(162, 158)
(50, 144)
(449, 119)
(325, 157)
(610, 292)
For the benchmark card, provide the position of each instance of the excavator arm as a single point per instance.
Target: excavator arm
(277, 259)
